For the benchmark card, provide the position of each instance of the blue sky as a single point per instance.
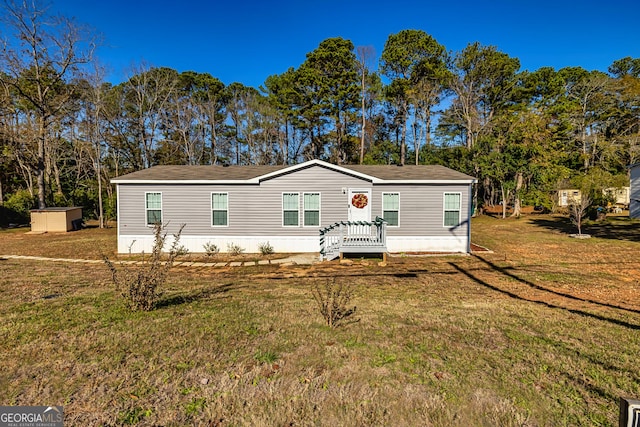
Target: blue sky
(246, 41)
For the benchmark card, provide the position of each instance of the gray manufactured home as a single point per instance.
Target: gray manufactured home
(634, 196)
(423, 208)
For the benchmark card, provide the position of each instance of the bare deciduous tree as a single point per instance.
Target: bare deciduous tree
(364, 55)
(578, 210)
(42, 54)
(149, 91)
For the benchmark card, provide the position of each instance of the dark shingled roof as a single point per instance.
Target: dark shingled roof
(410, 172)
(189, 173)
(241, 173)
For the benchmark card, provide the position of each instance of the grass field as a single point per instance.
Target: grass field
(543, 331)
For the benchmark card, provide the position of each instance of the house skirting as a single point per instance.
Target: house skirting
(291, 244)
(399, 244)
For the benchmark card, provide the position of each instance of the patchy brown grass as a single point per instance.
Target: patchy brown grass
(89, 243)
(545, 331)
(94, 243)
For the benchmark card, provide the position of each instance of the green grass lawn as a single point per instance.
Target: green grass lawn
(543, 331)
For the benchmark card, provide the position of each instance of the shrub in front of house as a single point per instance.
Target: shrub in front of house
(140, 285)
(234, 249)
(333, 301)
(266, 248)
(211, 249)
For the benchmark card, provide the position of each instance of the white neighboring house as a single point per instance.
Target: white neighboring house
(620, 195)
(634, 196)
(427, 208)
(568, 197)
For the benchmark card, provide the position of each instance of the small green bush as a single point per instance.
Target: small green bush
(266, 248)
(18, 206)
(211, 249)
(182, 251)
(234, 249)
(60, 199)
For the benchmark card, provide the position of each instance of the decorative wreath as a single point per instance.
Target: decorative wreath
(359, 200)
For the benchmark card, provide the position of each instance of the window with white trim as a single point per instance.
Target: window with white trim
(153, 208)
(311, 208)
(391, 208)
(219, 209)
(452, 209)
(290, 209)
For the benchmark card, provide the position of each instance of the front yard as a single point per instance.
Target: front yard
(544, 331)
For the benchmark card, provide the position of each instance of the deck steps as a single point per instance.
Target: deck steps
(353, 237)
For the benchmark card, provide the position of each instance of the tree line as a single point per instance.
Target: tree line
(65, 131)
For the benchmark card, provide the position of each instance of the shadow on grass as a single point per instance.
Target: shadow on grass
(198, 295)
(615, 228)
(592, 355)
(543, 303)
(409, 274)
(505, 271)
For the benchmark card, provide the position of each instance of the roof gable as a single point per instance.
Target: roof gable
(317, 163)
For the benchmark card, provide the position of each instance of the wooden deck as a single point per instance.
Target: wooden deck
(353, 237)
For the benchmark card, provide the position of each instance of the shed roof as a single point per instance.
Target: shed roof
(255, 174)
(57, 209)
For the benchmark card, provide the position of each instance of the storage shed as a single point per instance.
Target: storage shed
(57, 219)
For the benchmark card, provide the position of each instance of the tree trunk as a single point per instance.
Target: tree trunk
(427, 128)
(40, 168)
(364, 122)
(416, 134)
(213, 159)
(584, 149)
(285, 150)
(403, 142)
(99, 176)
(516, 203)
(516, 207)
(340, 148)
(504, 201)
(469, 136)
(488, 191)
(56, 177)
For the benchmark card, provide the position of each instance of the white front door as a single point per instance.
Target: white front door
(359, 204)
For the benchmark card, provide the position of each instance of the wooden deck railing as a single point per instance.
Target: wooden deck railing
(353, 237)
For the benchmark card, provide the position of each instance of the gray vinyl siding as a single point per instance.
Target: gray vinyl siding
(253, 209)
(422, 209)
(257, 209)
(634, 197)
